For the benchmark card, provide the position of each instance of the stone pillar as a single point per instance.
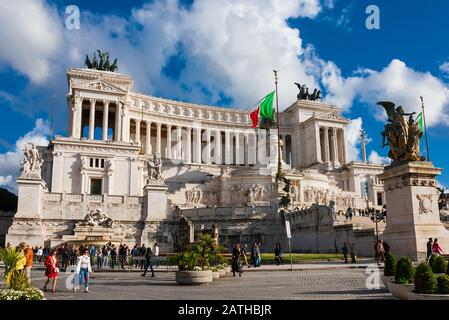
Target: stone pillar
(92, 119)
(155, 197)
(274, 149)
(412, 209)
(208, 151)
(179, 143)
(137, 122)
(237, 148)
(197, 146)
(228, 154)
(125, 123)
(326, 145)
(318, 143)
(27, 222)
(169, 142)
(105, 120)
(218, 157)
(148, 149)
(335, 147)
(188, 152)
(158, 138)
(343, 146)
(118, 122)
(77, 110)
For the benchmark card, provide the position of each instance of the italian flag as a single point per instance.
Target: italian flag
(263, 109)
(420, 121)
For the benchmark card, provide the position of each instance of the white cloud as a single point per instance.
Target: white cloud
(10, 160)
(30, 35)
(396, 82)
(444, 67)
(376, 158)
(353, 139)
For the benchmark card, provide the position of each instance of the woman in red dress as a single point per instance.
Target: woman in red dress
(51, 270)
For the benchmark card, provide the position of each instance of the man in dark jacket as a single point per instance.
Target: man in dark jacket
(148, 255)
(429, 248)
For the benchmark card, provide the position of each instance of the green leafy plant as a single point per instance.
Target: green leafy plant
(405, 271)
(201, 255)
(440, 265)
(14, 260)
(425, 280)
(390, 265)
(432, 260)
(443, 284)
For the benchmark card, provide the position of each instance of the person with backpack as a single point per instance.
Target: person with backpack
(148, 255)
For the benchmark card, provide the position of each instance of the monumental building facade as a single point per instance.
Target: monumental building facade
(132, 166)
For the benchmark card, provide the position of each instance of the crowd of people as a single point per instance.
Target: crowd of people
(370, 213)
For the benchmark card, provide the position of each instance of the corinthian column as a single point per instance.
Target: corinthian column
(335, 146)
(148, 138)
(105, 120)
(158, 138)
(92, 119)
(169, 141)
(137, 130)
(326, 145)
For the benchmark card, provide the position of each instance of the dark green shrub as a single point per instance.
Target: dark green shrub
(405, 271)
(425, 280)
(390, 265)
(443, 284)
(440, 265)
(432, 260)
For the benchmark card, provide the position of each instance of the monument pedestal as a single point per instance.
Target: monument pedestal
(91, 234)
(27, 223)
(155, 195)
(412, 209)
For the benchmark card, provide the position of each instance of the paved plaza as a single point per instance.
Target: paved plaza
(313, 283)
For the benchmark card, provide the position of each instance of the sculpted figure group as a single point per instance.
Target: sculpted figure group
(31, 163)
(402, 136)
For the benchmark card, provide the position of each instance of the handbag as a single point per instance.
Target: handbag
(56, 269)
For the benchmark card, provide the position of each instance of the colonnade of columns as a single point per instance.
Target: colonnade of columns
(332, 145)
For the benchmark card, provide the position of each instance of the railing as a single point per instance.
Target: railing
(119, 262)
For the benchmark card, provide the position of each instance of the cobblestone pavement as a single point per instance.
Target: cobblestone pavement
(327, 284)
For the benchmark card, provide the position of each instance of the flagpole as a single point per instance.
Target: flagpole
(279, 173)
(425, 128)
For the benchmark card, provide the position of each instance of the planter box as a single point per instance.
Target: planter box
(400, 291)
(421, 296)
(194, 277)
(222, 272)
(386, 280)
(216, 275)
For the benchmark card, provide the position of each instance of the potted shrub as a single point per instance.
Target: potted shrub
(439, 265)
(443, 284)
(195, 261)
(432, 261)
(425, 284)
(403, 279)
(17, 286)
(389, 269)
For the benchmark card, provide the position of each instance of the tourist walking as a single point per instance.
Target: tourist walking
(236, 264)
(105, 256)
(380, 252)
(84, 269)
(436, 249)
(156, 254)
(256, 255)
(345, 250)
(142, 252)
(113, 256)
(244, 253)
(51, 270)
(98, 258)
(122, 255)
(429, 248)
(29, 257)
(352, 253)
(148, 255)
(278, 253)
(92, 253)
(39, 254)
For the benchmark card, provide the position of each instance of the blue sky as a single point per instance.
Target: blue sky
(222, 53)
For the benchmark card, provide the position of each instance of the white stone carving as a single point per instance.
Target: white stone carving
(31, 163)
(193, 196)
(155, 168)
(425, 203)
(96, 218)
